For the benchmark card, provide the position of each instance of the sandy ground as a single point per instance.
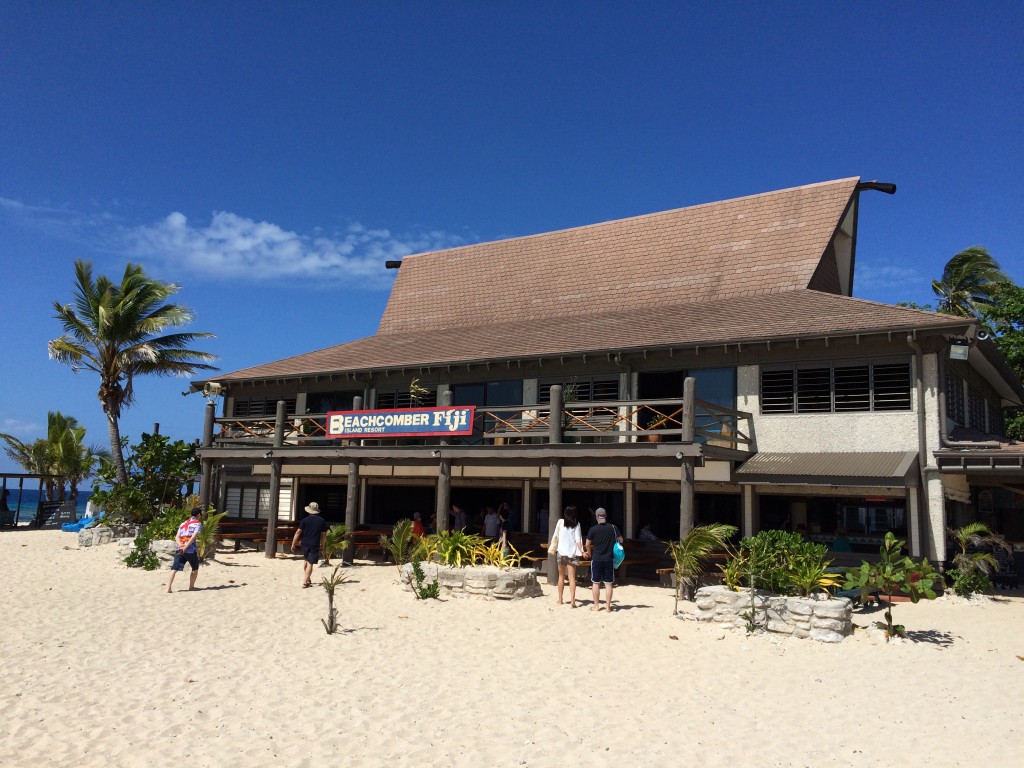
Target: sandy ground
(102, 668)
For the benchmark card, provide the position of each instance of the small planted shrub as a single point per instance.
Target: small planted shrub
(894, 574)
(780, 562)
(492, 553)
(330, 583)
(456, 547)
(975, 562)
(335, 541)
(423, 591)
(967, 583)
(691, 552)
(142, 555)
(400, 543)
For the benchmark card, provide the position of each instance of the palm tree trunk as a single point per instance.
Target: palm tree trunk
(116, 455)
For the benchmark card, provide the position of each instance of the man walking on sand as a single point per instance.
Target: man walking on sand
(311, 530)
(600, 540)
(185, 550)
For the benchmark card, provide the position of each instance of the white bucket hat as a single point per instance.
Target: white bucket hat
(313, 508)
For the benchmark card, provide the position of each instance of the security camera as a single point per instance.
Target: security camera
(212, 389)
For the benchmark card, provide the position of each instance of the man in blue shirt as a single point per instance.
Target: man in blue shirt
(601, 539)
(311, 531)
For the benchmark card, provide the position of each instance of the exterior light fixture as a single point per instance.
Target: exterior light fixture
(392, 264)
(959, 349)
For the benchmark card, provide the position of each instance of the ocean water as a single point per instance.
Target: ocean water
(30, 500)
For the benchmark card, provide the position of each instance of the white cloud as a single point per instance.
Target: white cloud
(236, 247)
(21, 429)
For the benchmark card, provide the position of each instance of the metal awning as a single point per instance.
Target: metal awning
(840, 469)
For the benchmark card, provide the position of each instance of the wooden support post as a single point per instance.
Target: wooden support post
(554, 478)
(205, 482)
(687, 513)
(352, 494)
(444, 479)
(276, 462)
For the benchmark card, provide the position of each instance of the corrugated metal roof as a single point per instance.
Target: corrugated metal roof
(824, 468)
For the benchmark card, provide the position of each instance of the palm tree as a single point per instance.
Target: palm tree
(114, 330)
(692, 550)
(969, 281)
(70, 459)
(984, 541)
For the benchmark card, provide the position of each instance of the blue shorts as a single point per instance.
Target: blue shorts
(602, 572)
(180, 558)
(311, 555)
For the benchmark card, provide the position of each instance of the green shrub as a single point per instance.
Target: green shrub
(142, 555)
(456, 547)
(421, 590)
(966, 583)
(400, 543)
(780, 562)
(894, 573)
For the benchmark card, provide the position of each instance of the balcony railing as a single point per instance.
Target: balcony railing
(602, 421)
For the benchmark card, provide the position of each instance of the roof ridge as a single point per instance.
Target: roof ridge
(638, 217)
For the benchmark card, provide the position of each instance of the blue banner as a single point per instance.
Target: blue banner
(402, 422)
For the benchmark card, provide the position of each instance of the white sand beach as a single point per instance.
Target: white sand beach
(102, 668)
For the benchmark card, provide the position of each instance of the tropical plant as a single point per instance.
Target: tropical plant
(115, 331)
(691, 552)
(206, 539)
(968, 282)
(141, 555)
(159, 470)
(400, 543)
(335, 540)
(421, 590)
(61, 455)
(330, 583)
(975, 563)
(810, 574)
(492, 553)
(456, 547)
(967, 583)
(894, 573)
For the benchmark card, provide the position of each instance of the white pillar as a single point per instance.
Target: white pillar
(747, 524)
(629, 497)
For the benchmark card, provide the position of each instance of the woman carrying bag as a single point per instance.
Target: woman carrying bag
(567, 544)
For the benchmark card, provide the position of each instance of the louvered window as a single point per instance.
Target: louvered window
(995, 419)
(403, 399)
(580, 389)
(954, 397)
(844, 388)
(813, 390)
(247, 500)
(853, 388)
(777, 391)
(975, 410)
(254, 407)
(891, 387)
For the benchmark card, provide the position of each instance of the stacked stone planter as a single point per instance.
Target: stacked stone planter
(823, 619)
(485, 582)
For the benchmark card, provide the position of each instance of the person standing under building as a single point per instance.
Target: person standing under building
(311, 530)
(601, 539)
(568, 551)
(459, 519)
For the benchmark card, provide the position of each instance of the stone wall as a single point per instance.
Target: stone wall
(823, 619)
(486, 582)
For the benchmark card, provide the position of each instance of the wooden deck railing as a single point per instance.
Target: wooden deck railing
(603, 421)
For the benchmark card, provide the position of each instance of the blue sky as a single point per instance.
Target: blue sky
(269, 157)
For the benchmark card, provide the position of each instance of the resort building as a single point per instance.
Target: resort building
(701, 364)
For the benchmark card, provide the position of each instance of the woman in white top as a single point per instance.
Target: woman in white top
(569, 549)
